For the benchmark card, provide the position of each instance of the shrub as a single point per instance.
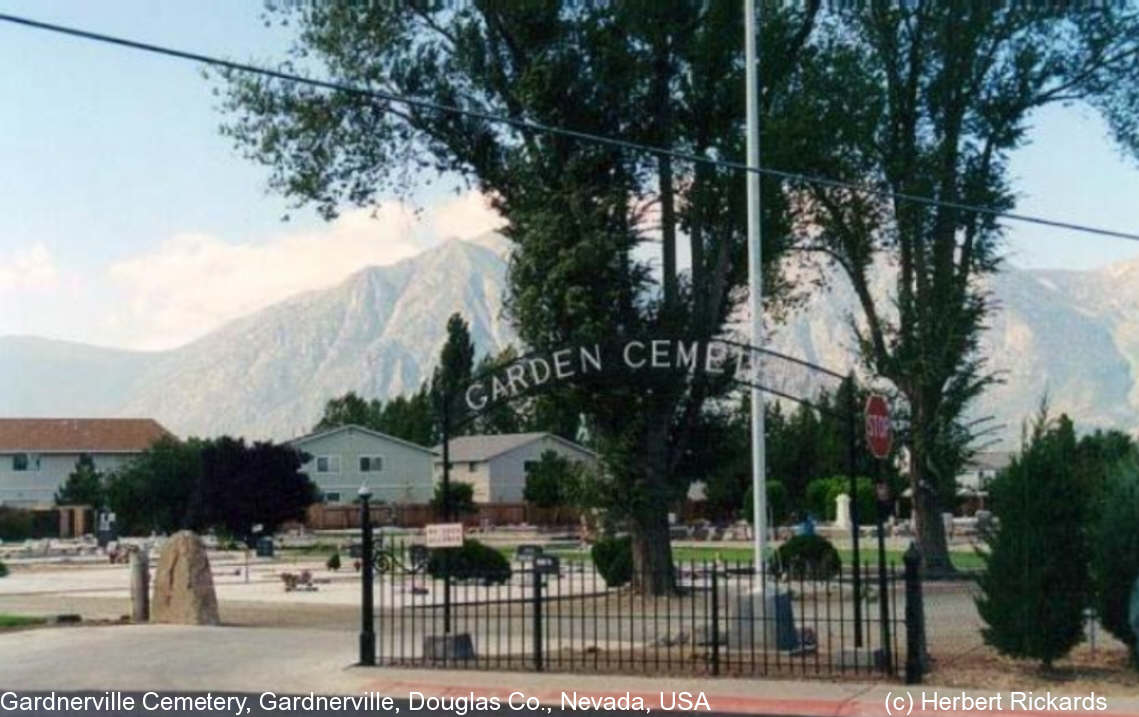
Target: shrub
(807, 557)
(333, 562)
(613, 558)
(16, 524)
(776, 503)
(3, 569)
(462, 499)
(473, 561)
(1034, 586)
(1114, 537)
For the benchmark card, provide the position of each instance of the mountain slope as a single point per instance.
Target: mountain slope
(1072, 334)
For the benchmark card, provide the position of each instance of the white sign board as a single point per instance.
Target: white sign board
(445, 535)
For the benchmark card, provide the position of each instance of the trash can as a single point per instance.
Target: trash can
(265, 547)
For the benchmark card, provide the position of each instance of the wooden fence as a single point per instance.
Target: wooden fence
(322, 516)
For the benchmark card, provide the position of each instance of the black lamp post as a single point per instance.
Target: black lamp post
(367, 613)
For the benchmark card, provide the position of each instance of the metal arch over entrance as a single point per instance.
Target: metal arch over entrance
(712, 360)
(610, 363)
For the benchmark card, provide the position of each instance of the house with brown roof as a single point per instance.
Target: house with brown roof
(37, 454)
(496, 465)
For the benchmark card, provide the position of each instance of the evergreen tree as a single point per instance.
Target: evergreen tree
(1035, 583)
(1114, 543)
(84, 485)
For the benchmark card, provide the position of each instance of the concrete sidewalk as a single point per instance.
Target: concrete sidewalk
(298, 661)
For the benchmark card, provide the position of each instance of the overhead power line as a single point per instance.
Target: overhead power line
(562, 131)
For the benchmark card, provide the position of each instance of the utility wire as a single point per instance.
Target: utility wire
(550, 129)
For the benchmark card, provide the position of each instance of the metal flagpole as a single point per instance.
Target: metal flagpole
(755, 286)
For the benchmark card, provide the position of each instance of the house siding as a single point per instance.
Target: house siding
(37, 488)
(404, 478)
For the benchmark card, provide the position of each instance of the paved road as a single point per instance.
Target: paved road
(173, 659)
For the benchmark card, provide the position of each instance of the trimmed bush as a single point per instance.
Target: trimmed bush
(473, 561)
(3, 569)
(613, 558)
(1035, 585)
(807, 557)
(333, 562)
(1114, 548)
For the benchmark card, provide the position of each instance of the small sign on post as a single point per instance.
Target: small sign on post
(878, 430)
(445, 535)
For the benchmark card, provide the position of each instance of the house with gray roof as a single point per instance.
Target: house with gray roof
(495, 465)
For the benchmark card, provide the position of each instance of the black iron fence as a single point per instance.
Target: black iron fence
(719, 619)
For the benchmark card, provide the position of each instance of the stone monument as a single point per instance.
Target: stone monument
(842, 511)
(183, 586)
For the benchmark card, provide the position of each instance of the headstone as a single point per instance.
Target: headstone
(947, 523)
(140, 586)
(758, 621)
(842, 511)
(265, 547)
(526, 553)
(183, 586)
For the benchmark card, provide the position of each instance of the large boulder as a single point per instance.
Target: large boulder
(183, 586)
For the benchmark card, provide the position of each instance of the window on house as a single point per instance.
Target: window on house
(332, 497)
(26, 462)
(328, 464)
(473, 467)
(371, 464)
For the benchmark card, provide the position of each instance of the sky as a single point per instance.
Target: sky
(127, 220)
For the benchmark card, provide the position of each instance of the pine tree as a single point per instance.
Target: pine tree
(1035, 582)
(84, 485)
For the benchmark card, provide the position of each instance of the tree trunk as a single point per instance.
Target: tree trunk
(652, 549)
(928, 526)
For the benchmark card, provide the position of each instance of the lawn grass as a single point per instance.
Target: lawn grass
(965, 559)
(12, 621)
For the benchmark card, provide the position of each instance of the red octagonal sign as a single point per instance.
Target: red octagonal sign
(878, 433)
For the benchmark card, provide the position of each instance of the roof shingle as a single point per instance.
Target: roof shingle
(79, 435)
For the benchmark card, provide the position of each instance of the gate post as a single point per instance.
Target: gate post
(367, 610)
(851, 468)
(715, 620)
(537, 617)
(915, 616)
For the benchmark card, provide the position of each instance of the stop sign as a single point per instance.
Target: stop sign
(878, 434)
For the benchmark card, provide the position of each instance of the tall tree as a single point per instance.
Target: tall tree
(577, 212)
(951, 87)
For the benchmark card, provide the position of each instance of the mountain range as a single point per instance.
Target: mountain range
(1071, 334)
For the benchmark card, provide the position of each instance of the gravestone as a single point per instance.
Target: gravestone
(526, 553)
(762, 621)
(183, 586)
(842, 511)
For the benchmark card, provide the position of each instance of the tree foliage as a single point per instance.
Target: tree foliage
(1035, 583)
(947, 94)
(666, 74)
(1114, 543)
(458, 500)
(222, 484)
(84, 485)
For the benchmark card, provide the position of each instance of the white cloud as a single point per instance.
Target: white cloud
(29, 269)
(192, 283)
(465, 217)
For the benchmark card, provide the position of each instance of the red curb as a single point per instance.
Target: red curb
(732, 704)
